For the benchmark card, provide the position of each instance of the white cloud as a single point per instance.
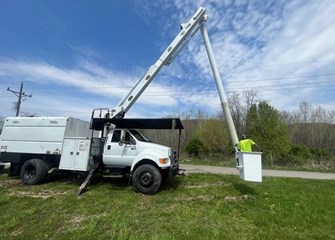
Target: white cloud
(274, 41)
(267, 45)
(87, 81)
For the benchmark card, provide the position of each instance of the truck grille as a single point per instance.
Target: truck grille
(173, 158)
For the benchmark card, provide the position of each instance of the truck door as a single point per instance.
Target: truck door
(119, 155)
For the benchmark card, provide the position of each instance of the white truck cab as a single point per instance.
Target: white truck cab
(126, 150)
(132, 149)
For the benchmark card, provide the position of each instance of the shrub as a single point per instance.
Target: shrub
(298, 155)
(320, 153)
(194, 147)
(300, 151)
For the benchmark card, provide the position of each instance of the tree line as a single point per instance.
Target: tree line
(302, 137)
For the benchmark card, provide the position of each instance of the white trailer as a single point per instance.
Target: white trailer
(40, 142)
(41, 135)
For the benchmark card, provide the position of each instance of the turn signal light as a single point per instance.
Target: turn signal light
(163, 160)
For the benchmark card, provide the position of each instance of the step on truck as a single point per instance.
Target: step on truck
(38, 146)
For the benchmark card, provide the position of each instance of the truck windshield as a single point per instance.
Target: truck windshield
(139, 136)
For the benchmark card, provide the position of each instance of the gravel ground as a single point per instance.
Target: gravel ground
(265, 173)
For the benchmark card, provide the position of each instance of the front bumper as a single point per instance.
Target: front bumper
(173, 171)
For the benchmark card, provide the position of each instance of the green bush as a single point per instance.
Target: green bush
(297, 156)
(300, 151)
(194, 147)
(214, 136)
(320, 153)
(301, 155)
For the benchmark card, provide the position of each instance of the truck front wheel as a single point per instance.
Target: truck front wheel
(147, 179)
(33, 171)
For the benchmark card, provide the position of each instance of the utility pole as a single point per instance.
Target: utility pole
(19, 95)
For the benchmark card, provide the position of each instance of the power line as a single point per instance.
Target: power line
(19, 95)
(283, 78)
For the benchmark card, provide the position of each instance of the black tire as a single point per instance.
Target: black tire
(2, 167)
(33, 171)
(147, 179)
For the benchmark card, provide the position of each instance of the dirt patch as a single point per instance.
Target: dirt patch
(43, 194)
(237, 198)
(16, 233)
(77, 220)
(10, 182)
(204, 198)
(206, 185)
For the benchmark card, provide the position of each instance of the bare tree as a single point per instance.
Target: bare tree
(311, 126)
(239, 104)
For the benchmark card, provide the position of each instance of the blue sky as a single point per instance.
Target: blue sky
(74, 56)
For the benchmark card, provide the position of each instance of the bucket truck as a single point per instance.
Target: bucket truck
(109, 143)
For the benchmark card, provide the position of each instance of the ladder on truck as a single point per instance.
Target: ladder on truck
(98, 127)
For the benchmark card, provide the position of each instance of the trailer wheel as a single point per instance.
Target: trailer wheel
(33, 171)
(147, 179)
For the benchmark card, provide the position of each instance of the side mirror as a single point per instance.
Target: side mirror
(122, 137)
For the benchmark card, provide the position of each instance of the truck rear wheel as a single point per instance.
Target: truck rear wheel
(33, 171)
(147, 179)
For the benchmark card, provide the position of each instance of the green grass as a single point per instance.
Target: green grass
(223, 161)
(196, 206)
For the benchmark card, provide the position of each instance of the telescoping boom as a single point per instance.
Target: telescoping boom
(165, 59)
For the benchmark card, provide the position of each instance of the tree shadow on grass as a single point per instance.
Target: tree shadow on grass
(244, 188)
(172, 184)
(77, 179)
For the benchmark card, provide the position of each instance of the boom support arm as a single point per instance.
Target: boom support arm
(165, 59)
(219, 86)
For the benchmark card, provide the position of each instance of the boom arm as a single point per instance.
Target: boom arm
(165, 59)
(219, 86)
(198, 19)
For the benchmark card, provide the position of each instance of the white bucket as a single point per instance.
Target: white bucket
(250, 166)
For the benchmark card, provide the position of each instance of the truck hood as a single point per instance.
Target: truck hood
(154, 146)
